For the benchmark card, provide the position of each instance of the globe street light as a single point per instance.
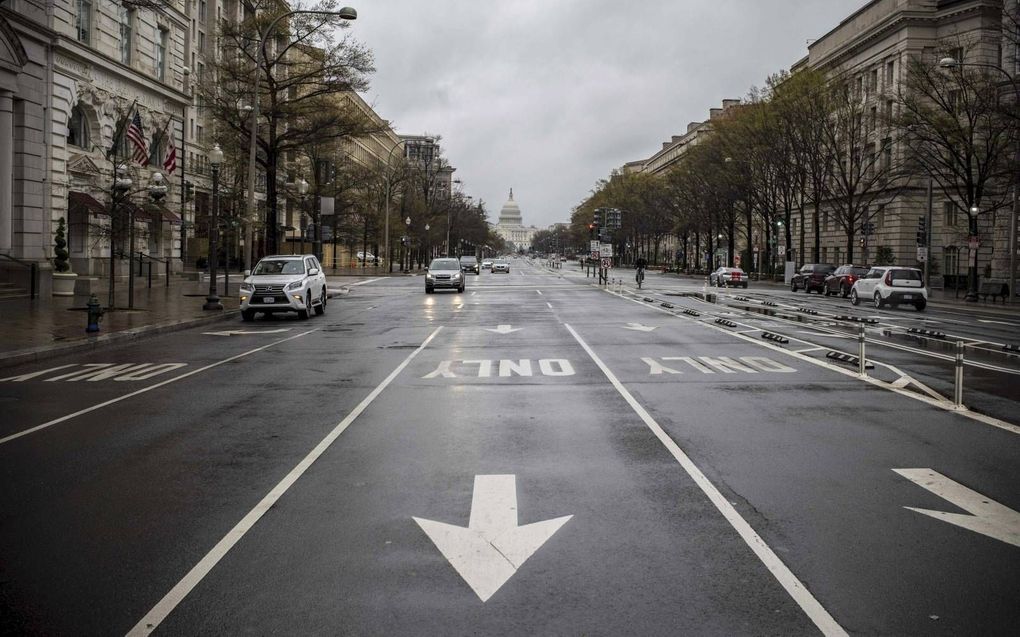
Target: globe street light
(212, 301)
(407, 247)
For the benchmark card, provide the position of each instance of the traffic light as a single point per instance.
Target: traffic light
(922, 231)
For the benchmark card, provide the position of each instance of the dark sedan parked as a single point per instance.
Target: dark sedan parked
(811, 277)
(842, 280)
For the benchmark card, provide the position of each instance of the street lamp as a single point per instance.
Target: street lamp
(972, 295)
(346, 13)
(212, 301)
(407, 247)
(428, 245)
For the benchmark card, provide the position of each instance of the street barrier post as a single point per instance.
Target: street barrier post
(861, 363)
(958, 384)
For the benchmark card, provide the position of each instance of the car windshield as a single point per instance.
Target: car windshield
(444, 264)
(280, 266)
(468, 260)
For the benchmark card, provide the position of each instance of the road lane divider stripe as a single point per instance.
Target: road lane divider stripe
(800, 594)
(143, 390)
(367, 281)
(147, 624)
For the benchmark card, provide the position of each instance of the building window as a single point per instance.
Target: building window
(78, 128)
(127, 19)
(886, 154)
(162, 41)
(950, 213)
(873, 88)
(156, 150)
(83, 21)
(199, 136)
(201, 41)
(890, 70)
(202, 10)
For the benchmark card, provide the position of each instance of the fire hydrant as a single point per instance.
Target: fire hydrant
(95, 312)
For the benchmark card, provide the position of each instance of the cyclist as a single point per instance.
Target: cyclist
(640, 264)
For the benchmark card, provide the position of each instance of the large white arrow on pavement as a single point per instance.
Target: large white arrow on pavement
(639, 327)
(503, 329)
(242, 332)
(987, 516)
(490, 550)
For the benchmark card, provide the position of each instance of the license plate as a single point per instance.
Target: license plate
(907, 297)
(269, 299)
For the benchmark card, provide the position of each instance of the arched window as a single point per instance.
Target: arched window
(78, 128)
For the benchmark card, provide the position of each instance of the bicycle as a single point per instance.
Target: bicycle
(640, 277)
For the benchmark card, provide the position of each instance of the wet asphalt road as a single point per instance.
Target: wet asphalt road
(276, 482)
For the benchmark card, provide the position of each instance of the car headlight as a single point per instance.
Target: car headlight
(247, 287)
(430, 277)
(456, 275)
(295, 285)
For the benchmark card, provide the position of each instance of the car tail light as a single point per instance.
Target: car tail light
(888, 278)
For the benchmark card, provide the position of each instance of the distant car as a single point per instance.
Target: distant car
(893, 285)
(284, 283)
(842, 280)
(470, 264)
(812, 277)
(487, 264)
(365, 256)
(500, 265)
(444, 273)
(725, 277)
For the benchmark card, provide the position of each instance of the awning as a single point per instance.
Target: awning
(86, 203)
(160, 213)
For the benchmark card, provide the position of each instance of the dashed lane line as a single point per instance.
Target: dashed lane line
(143, 390)
(146, 625)
(800, 594)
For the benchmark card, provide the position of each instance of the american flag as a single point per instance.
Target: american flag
(137, 137)
(170, 161)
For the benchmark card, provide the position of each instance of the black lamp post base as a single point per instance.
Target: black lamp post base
(212, 302)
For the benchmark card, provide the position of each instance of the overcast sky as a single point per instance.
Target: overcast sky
(548, 96)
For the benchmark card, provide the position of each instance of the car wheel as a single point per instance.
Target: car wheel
(322, 303)
(247, 315)
(460, 290)
(793, 287)
(429, 290)
(920, 305)
(878, 300)
(844, 290)
(745, 286)
(854, 299)
(303, 314)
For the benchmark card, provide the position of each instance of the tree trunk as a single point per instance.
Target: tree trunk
(816, 253)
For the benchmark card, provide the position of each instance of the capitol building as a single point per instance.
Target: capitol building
(511, 225)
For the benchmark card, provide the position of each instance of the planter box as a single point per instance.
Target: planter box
(63, 283)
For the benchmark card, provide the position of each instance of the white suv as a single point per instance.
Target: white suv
(893, 285)
(284, 283)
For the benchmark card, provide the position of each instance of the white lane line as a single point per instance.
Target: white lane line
(147, 389)
(369, 281)
(1010, 323)
(800, 594)
(809, 349)
(539, 292)
(549, 304)
(474, 293)
(165, 606)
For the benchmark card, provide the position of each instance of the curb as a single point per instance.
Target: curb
(44, 352)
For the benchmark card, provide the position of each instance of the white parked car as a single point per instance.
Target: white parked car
(284, 283)
(893, 285)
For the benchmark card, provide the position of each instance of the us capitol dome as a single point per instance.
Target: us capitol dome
(511, 225)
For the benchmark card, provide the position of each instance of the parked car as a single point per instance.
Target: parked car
(811, 277)
(500, 265)
(284, 283)
(725, 277)
(487, 264)
(444, 273)
(365, 256)
(893, 285)
(470, 264)
(842, 280)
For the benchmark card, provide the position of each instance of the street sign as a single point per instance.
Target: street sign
(606, 249)
(594, 254)
(594, 245)
(922, 254)
(607, 263)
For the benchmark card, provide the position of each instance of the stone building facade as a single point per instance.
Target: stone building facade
(511, 225)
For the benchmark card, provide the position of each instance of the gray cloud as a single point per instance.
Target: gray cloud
(548, 96)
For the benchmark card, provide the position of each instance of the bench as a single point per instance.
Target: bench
(993, 289)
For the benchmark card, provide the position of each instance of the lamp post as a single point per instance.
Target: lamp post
(972, 287)
(157, 190)
(302, 190)
(121, 184)
(212, 302)
(428, 245)
(407, 247)
(347, 13)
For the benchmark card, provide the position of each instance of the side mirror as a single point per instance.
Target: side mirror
(313, 272)
(247, 273)
(426, 268)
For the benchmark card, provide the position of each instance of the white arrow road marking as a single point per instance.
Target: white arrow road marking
(987, 516)
(243, 332)
(639, 327)
(823, 334)
(503, 329)
(490, 550)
